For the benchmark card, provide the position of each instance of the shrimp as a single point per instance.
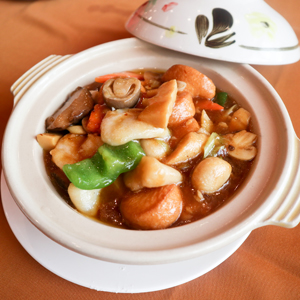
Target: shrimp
(73, 148)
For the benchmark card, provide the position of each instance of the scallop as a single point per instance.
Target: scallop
(211, 174)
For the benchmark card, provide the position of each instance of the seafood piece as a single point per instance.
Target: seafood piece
(155, 148)
(151, 173)
(240, 145)
(178, 132)
(159, 107)
(73, 148)
(210, 175)
(122, 125)
(183, 110)
(189, 147)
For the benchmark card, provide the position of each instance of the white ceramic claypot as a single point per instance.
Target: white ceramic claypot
(270, 195)
(247, 31)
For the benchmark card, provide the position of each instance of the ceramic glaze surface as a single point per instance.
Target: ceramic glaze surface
(237, 31)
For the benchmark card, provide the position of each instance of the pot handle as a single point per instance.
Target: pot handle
(20, 87)
(287, 213)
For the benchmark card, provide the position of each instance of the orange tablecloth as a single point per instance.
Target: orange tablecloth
(266, 266)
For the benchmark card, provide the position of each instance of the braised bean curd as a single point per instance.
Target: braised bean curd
(148, 150)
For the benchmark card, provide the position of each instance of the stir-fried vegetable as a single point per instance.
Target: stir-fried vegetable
(213, 145)
(221, 98)
(105, 166)
(95, 119)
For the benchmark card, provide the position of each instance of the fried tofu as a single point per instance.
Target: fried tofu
(155, 208)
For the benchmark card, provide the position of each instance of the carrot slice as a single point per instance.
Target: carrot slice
(103, 78)
(96, 117)
(207, 105)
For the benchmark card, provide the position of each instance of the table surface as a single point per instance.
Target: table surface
(266, 266)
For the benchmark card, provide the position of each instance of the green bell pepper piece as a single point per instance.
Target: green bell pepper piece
(221, 98)
(105, 166)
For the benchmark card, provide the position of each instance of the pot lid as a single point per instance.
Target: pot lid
(247, 31)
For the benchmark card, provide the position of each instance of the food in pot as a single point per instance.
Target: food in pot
(149, 149)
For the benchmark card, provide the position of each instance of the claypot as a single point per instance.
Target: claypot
(269, 196)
